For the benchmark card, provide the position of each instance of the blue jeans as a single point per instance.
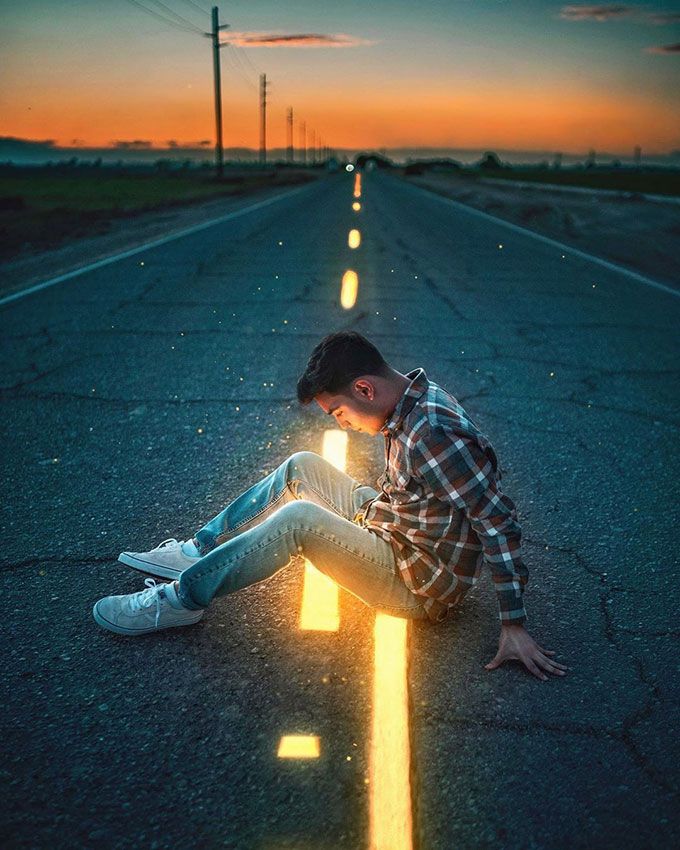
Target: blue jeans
(306, 508)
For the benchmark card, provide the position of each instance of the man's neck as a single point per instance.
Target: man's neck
(398, 384)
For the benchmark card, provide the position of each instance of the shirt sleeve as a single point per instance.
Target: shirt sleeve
(461, 471)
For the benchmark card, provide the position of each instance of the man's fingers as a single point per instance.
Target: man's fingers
(552, 661)
(534, 669)
(550, 666)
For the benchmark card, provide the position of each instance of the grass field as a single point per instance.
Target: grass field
(42, 208)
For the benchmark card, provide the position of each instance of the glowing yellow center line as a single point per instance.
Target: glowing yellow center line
(356, 206)
(298, 747)
(349, 289)
(391, 824)
(319, 610)
(357, 185)
(354, 238)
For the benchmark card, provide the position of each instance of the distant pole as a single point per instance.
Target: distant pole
(312, 144)
(219, 152)
(290, 154)
(263, 119)
(303, 142)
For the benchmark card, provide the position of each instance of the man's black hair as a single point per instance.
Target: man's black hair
(336, 361)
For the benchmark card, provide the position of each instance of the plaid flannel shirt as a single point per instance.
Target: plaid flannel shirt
(441, 506)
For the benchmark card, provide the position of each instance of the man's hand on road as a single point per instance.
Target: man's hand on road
(516, 643)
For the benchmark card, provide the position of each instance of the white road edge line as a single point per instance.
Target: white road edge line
(146, 246)
(567, 248)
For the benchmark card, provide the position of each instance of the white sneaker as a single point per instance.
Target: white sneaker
(167, 560)
(150, 610)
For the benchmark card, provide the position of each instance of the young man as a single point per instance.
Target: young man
(412, 549)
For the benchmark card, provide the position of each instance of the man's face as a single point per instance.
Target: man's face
(359, 411)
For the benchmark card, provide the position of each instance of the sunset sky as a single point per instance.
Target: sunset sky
(506, 74)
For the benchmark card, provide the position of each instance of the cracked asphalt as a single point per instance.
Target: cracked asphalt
(139, 398)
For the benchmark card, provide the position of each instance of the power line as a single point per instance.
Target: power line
(238, 69)
(237, 54)
(177, 15)
(163, 18)
(242, 52)
(196, 6)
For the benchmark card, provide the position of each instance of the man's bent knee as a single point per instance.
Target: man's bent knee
(296, 467)
(301, 460)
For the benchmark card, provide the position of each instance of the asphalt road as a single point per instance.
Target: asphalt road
(139, 398)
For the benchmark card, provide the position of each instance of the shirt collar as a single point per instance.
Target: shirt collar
(417, 387)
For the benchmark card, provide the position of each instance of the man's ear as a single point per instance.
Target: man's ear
(366, 390)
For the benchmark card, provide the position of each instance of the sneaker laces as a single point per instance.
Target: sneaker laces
(145, 598)
(166, 544)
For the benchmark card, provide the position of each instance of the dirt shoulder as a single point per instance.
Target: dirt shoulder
(123, 234)
(640, 234)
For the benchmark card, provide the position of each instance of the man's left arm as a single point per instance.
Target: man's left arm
(458, 470)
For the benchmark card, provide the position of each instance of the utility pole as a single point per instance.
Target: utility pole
(303, 142)
(289, 154)
(263, 119)
(312, 144)
(219, 152)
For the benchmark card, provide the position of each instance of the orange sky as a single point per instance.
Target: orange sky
(528, 120)
(460, 75)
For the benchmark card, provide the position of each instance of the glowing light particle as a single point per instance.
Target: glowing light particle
(356, 206)
(354, 238)
(349, 289)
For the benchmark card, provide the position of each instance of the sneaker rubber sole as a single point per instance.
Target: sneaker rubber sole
(122, 630)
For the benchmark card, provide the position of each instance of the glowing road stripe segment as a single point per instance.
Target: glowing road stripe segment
(334, 448)
(298, 747)
(349, 289)
(320, 610)
(354, 238)
(357, 185)
(391, 824)
(356, 206)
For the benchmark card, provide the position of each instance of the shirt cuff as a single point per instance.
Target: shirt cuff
(517, 616)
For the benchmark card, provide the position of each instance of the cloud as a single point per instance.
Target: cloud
(595, 13)
(305, 39)
(664, 17)
(616, 11)
(664, 48)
